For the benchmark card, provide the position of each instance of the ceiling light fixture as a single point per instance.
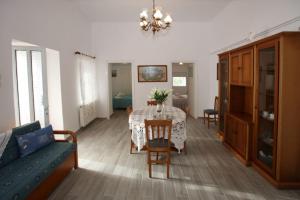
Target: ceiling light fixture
(155, 22)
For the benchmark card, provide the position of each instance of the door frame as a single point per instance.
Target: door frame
(194, 111)
(28, 49)
(109, 84)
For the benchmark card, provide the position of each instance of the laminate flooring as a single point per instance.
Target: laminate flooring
(208, 171)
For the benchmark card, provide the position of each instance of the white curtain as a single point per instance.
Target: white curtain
(87, 73)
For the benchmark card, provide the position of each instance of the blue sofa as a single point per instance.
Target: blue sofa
(35, 176)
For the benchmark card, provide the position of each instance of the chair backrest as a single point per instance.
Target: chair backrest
(158, 129)
(216, 104)
(151, 103)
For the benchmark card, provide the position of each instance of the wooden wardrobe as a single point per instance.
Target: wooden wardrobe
(259, 92)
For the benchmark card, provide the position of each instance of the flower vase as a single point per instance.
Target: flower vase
(159, 107)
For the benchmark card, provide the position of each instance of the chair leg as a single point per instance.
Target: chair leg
(131, 146)
(215, 119)
(168, 164)
(149, 164)
(184, 147)
(203, 117)
(208, 121)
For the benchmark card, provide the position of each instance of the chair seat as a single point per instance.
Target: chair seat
(211, 111)
(155, 143)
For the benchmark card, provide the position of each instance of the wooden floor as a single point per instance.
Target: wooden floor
(208, 171)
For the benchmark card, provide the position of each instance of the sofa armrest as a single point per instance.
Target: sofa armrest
(65, 132)
(74, 140)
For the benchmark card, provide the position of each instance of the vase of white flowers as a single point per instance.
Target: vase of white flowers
(160, 95)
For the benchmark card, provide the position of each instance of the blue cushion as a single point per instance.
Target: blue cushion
(31, 142)
(22, 176)
(11, 151)
(158, 143)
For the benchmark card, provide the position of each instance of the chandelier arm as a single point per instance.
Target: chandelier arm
(153, 5)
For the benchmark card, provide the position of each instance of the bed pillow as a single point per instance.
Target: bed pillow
(120, 94)
(33, 141)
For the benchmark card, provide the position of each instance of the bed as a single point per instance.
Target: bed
(122, 101)
(180, 101)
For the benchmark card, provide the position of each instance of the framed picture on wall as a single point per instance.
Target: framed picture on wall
(152, 73)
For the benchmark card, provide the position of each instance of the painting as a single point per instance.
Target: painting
(152, 73)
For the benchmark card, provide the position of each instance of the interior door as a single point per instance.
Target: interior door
(31, 85)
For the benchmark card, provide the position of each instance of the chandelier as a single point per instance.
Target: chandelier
(155, 22)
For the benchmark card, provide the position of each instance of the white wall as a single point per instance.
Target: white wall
(187, 42)
(122, 83)
(53, 24)
(240, 18)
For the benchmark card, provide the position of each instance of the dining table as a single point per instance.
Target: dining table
(138, 131)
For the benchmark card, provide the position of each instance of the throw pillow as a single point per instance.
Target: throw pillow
(31, 142)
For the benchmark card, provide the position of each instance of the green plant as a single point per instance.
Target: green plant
(160, 95)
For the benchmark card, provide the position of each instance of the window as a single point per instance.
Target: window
(179, 81)
(30, 85)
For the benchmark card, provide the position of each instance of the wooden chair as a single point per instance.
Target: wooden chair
(208, 112)
(151, 103)
(156, 142)
(129, 111)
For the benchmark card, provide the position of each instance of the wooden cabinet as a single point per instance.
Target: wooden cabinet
(237, 136)
(276, 142)
(262, 120)
(241, 67)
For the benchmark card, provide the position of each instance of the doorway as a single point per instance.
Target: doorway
(30, 82)
(120, 86)
(183, 86)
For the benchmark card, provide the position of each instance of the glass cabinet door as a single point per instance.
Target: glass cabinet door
(223, 73)
(267, 106)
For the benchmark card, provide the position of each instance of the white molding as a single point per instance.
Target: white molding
(256, 36)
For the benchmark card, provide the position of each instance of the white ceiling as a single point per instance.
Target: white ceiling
(128, 10)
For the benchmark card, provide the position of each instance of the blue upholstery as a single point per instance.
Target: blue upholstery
(122, 102)
(22, 176)
(11, 152)
(211, 111)
(33, 141)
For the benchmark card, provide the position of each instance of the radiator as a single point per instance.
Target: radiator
(87, 113)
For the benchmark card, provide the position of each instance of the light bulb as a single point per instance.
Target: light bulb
(168, 19)
(145, 23)
(144, 14)
(141, 24)
(157, 14)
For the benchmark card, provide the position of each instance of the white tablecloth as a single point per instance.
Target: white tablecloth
(178, 117)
